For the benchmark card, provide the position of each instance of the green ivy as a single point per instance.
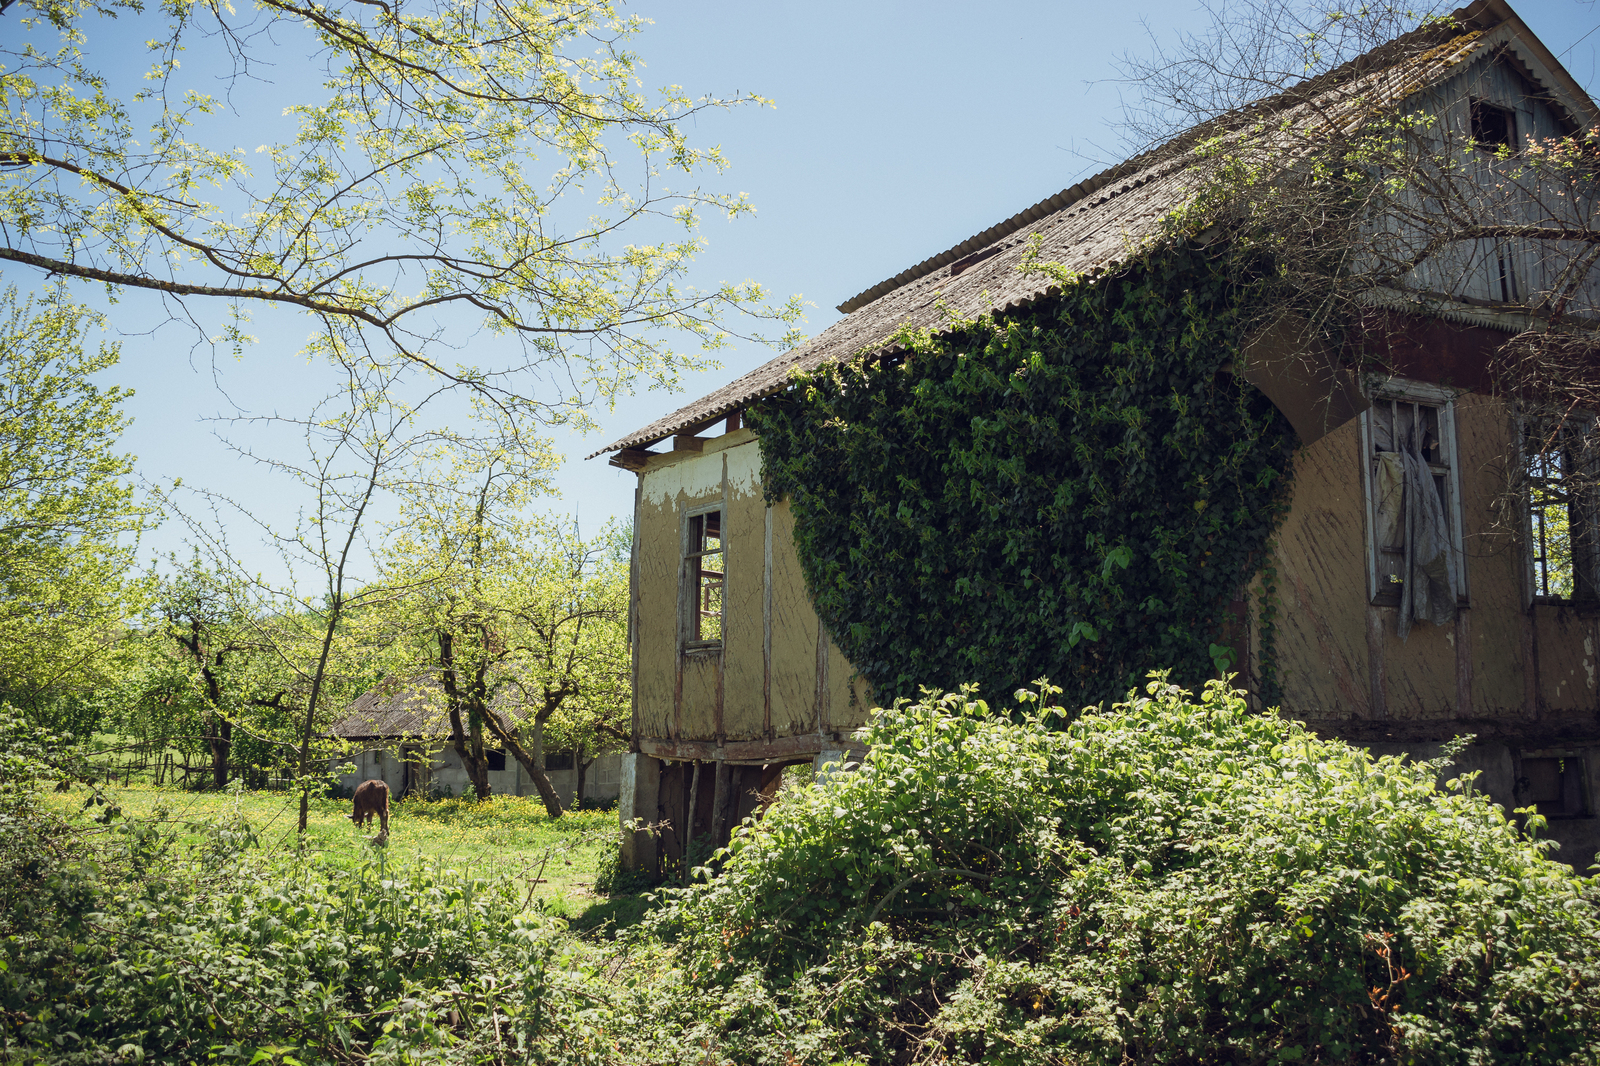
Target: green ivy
(1076, 490)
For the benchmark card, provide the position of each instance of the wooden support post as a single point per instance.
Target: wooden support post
(688, 819)
(722, 805)
(1378, 706)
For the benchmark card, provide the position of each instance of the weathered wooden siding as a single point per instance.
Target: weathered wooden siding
(1476, 270)
(1340, 659)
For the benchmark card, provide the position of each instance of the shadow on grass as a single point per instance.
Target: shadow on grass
(603, 920)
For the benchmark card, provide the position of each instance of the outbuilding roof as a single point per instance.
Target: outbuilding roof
(1105, 221)
(399, 707)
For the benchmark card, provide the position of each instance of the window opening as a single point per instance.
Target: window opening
(1561, 549)
(705, 571)
(1493, 127)
(558, 760)
(497, 760)
(1507, 263)
(1413, 534)
(1556, 786)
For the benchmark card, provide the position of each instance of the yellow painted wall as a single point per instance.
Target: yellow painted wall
(727, 471)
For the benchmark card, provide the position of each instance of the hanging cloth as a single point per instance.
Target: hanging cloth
(1430, 563)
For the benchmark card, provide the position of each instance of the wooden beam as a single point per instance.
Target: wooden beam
(745, 751)
(632, 458)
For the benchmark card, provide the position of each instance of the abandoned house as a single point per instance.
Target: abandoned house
(1405, 613)
(401, 737)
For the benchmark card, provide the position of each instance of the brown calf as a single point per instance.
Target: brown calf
(372, 797)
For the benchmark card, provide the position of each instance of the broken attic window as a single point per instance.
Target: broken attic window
(703, 568)
(1493, 128)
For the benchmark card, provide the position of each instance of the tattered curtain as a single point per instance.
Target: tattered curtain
(1408, 504)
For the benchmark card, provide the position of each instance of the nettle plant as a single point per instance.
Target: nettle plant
(1076, 490)
(1173, 880)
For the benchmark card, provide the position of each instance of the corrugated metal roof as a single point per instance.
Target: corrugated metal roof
(1108, 219)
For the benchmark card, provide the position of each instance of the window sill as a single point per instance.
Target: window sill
(702, 647)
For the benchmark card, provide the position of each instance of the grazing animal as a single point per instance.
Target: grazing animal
(372, 797)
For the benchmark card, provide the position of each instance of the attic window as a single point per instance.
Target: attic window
(703, 579)
(1493, 127)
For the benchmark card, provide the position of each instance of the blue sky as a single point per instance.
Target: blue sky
(899, 130)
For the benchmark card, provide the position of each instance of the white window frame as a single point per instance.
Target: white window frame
(689, 582)
(1384, 390)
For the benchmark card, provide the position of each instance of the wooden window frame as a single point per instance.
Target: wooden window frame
(1403, 391)
(692, 569)
(1583, 520)
(1478, 106)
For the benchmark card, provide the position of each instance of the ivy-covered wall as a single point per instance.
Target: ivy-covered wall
(1077, 490)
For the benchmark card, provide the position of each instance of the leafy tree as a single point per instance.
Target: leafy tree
(405, 199)
(69, 520)
(512, 620)
(223, 669)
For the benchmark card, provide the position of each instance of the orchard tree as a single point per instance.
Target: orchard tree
(69, 519)
(513, 620)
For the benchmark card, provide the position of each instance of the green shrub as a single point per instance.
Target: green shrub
(1172, 881)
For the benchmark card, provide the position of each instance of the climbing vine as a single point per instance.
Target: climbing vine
(1076, 490)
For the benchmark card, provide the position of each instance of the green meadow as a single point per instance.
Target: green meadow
(504, 836)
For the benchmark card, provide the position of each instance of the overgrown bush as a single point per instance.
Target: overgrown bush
(1172, 881)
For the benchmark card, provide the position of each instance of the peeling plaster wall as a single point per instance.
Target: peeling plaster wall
(1327, 632)
(767, 694)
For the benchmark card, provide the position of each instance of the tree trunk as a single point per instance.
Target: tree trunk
(479, 770)
(534, 767)
(582, 768)
(470, 749)
(220, 736)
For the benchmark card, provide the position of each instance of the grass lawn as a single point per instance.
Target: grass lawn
(504, 836)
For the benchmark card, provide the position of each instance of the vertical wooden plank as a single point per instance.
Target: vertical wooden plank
(766, 630)
(721, 801)
(728, 548)
(822, 677)
(682, 630)
(1530, 664)
(1463, 663)
(633, 615)
(1378, 701)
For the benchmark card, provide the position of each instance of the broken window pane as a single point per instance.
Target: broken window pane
(1493, 127)
(1550, 522)
(705, 574)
